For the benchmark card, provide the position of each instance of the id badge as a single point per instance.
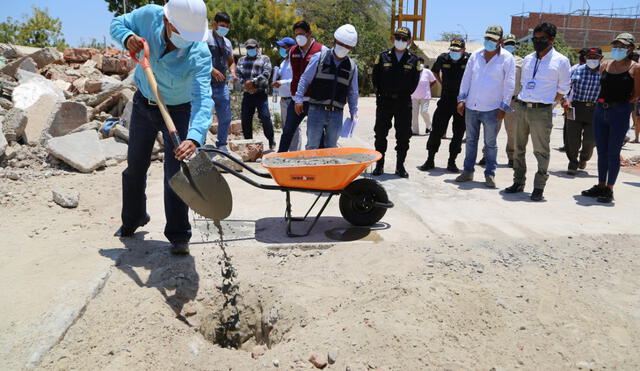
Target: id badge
(531, 85)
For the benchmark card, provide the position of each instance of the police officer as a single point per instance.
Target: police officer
(395, 77)
(448, 69)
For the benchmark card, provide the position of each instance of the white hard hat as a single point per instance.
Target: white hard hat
(347, 34)
(189, 17)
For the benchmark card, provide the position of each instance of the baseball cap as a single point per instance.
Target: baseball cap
(510, 38)
(457, 44)
(494, 32)
(251, 43)
(403, 31)
(593, 51)
(286, 41)
(625, 38)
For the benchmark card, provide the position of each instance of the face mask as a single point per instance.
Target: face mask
(455, 55)
(252, 52)
(179, 42)
(223, 31)
(619, 53)
(340, 51)
(593, 63)
(283, 52)
(490, 46)
(301, 40)
(510, 48)
(540, 45)
(400, 45)
(422, 66)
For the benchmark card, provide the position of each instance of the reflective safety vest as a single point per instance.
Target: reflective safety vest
(331, 83)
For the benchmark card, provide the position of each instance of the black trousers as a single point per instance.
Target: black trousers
(579, 138)
(146, 121)
(251, 103)
(440, 122)
(398, 110)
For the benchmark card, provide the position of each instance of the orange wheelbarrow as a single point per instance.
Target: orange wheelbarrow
(363, 202)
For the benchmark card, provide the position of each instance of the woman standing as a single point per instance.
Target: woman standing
(620, 83)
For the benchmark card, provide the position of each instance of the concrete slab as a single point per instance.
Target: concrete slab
(81, 150)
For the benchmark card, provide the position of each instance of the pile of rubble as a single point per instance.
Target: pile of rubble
(54, 107)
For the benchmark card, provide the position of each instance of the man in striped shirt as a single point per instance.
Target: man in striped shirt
(585, 86)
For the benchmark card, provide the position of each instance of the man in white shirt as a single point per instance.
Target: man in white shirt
(485, 94)
(282, 77)
(545, 80)
(420, 100)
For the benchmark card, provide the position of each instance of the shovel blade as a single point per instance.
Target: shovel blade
(200, 185)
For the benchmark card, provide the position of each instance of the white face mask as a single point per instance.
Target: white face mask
(422, 66)
(400, 45)
(593, 63)
(340, 51)
(301, 40)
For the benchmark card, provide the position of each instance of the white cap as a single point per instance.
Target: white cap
(347, 35)
(189, 17)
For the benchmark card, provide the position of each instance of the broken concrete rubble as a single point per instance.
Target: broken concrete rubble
(79, 55)
(249, 149)
(69, 200)
(38, 118)
(14, 123)
(3, 142)
(93, 125)
(82, 151)
(68, 117)
(114, 149)
(31, 88)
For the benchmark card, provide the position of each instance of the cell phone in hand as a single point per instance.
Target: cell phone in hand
(571, 114)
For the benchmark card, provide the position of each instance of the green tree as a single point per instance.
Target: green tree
(117, 6)
(38, 30)
(559, 44)
(450, 35)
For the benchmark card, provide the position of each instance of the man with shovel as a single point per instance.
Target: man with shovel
(181, 62)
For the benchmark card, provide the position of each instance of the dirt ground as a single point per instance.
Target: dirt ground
(454, 277)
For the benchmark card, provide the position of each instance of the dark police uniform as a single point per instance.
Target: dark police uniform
(394, 80)
(451, 75)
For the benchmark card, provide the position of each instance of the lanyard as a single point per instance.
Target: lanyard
(535, 68)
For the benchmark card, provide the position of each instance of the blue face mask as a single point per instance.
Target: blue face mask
(222, 31)
(283, 52)
(510, 48)
(619, 53)
(490, 46)
(178, 41)
(252, 52)
(455, 55)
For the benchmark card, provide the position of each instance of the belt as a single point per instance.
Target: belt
(328, 108)
(533, 105)
(586, 104)
(152, 103)
(606, 105)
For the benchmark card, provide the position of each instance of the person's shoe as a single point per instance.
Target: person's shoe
(510, 164)
(489, 181)
(595, 191)
(607, 196)
(452, 167)
(515, 188)
(562, 149)
(427, 131)
(583, 165)
(428, 165)
(379, 170)
(272, 146)
(464, 177)
(127, 232)
(483, 161)
(537, 194)
(180, 248)
(572, 171)
(401, 171)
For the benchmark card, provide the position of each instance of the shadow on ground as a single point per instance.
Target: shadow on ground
(590, 201)
(327, 230)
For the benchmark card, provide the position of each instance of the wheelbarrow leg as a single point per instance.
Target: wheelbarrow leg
(291, 219)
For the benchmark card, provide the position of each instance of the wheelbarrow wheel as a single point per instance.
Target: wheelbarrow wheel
(357, 203)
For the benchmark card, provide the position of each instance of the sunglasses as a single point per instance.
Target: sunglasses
(402, 38)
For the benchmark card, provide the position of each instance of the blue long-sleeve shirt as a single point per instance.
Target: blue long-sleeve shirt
(309, 74)
(183, 75)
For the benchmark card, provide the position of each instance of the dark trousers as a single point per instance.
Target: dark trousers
(445, 110)
(398, 110)
(610, 127)
(146, 121)
(291, 125)
(251, 103)
(579, 133)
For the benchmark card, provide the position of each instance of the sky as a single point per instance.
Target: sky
(86, 19)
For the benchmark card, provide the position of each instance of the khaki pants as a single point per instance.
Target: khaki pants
(537, 122)
(509, 125)
(420, 107)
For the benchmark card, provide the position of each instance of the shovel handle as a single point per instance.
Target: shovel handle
(146, 66)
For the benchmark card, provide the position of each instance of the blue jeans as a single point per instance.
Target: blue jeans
(222, 104)
(146, 121)
(291, 125)
(489, 120)
(610, 126)
(322, 121)
(251, 102)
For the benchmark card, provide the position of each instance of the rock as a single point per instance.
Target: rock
(126, 96)
(31, 88)
(236, 127)
(24, 63)
(92, 86)
(106, 93)
(227, 162)
(68, 117)
(79, 55)
(276, 363)
(98, 59)
(93, 125)
(66, 200)
(110, 163)
(3, 142)
(62, 85)
(119, 66)
(584, 365)
(107, 105)
(28, 65)
(38, 118)
(14, 124)
(332, 356)
(78, 85)
(82, 151)
(58, 72)
(8, 51)
(249, 149)
(5, 103)
(114, 149)
(120, 132)
(45, 56)
(318, 361)
(126, 113)
(257, 352)
(11, 151)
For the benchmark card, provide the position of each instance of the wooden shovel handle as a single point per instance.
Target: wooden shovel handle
(146, 65)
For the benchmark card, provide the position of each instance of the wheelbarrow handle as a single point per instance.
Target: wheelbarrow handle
(146, 66)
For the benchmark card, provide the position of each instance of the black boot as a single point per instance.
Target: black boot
(379, 170)
(451, 166)
(429, 164)
(400, 170)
